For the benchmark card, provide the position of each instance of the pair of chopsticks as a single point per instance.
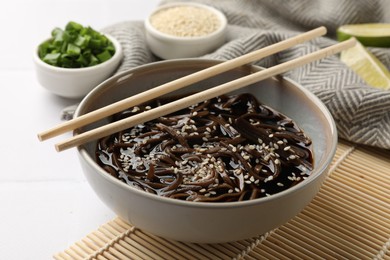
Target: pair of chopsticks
(182, 103)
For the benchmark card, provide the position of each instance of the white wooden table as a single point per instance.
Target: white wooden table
(45, 202)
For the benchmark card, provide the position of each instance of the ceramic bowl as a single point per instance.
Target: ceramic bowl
(167, 46)
(204, 222)
(76, 82)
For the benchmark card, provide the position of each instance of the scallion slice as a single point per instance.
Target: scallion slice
(76, 47)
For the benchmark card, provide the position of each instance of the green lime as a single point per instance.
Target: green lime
(367, 66)
(369, 34)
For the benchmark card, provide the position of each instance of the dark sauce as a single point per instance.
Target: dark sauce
(229, 148)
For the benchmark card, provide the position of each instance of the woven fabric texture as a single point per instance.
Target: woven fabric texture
(361, 112)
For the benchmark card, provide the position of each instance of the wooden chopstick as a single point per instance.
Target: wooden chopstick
(177, 84)
(201, 96)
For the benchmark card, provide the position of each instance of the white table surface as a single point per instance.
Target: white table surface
(45, 202)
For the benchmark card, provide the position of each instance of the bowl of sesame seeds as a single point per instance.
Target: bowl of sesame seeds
(227, 169)
(185, 30)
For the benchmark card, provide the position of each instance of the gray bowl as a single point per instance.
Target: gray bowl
(210, 222)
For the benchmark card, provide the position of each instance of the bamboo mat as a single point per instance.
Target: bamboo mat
(348, 219)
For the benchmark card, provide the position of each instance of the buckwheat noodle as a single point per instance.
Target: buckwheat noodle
(230, 148)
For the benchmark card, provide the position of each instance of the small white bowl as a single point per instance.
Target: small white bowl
(168, 46)
(76, 82)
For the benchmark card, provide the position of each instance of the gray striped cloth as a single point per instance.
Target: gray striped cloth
(361, 112)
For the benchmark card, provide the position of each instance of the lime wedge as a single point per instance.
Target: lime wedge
(369, 34)
(367, 66)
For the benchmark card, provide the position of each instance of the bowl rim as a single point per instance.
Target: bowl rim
(317, 173)
(221, 29)
(117, 55)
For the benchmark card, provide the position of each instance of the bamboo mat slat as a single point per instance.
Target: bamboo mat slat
(348, 219)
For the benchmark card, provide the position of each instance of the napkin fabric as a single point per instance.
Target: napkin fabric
(361, 112)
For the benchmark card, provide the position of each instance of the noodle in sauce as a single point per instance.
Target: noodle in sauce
(229, 148)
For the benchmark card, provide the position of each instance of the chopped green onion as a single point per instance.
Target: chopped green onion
(58, 36)
(73, 26)
(73, 50)
(51, 58)
(93, 61)
(82, 41)
(76, 47)
(105, 55)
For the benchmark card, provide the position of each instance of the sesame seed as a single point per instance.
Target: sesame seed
(194, 113)
(135, 109)
(271, 135)
(269, 178)
(287, 148)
